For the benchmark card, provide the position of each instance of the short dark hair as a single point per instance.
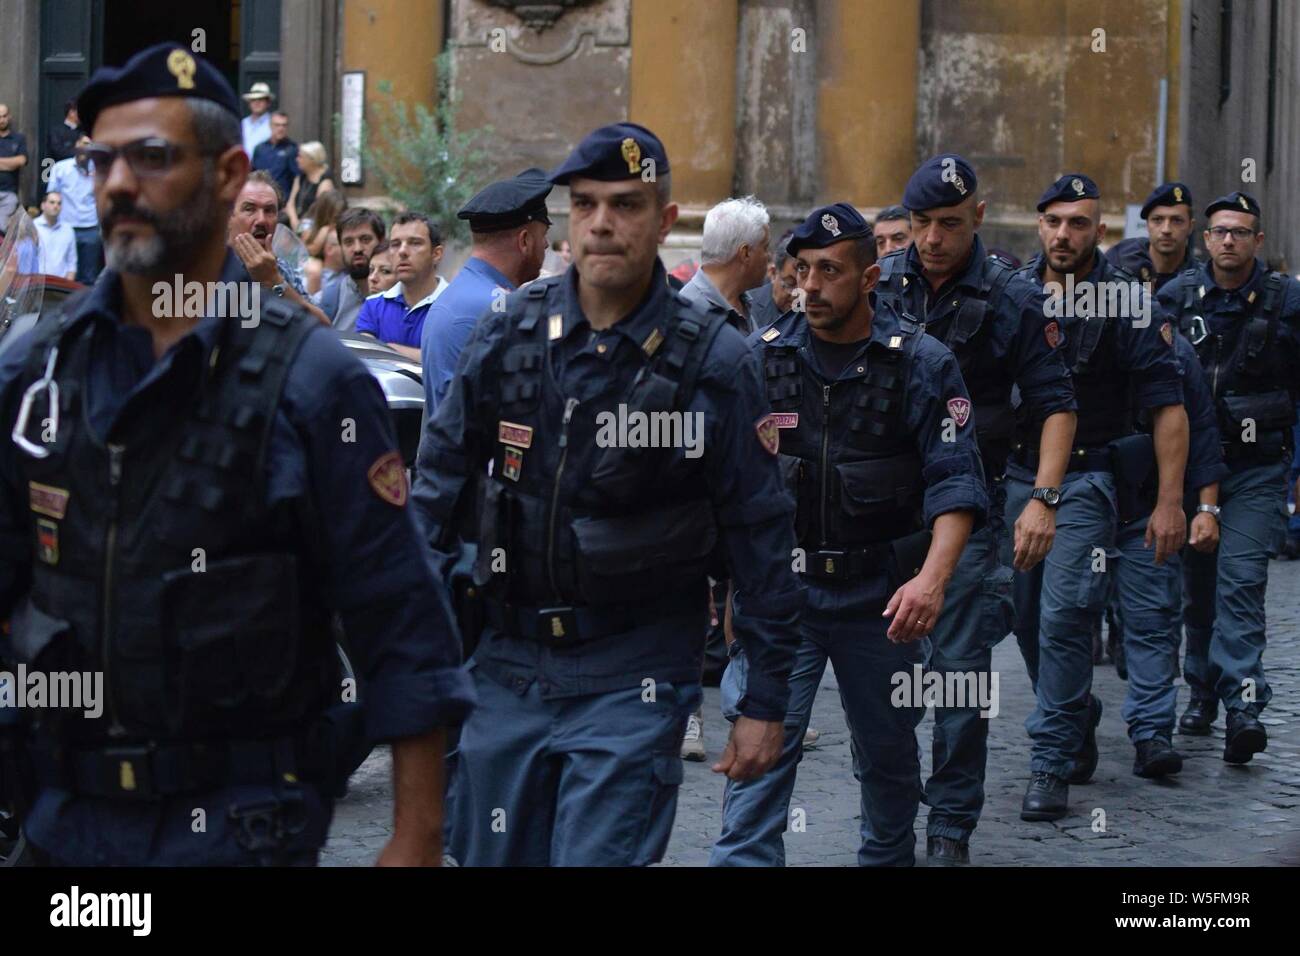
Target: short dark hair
(266, 179)
(890, 213)
(435, 234)
(356, 216)
(275, 113)
(382, 245)
(782, 253)
(864, 248)
(216, 129)
(69, 106)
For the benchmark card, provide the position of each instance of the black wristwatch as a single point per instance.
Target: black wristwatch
(278, 289)
(1048, 496)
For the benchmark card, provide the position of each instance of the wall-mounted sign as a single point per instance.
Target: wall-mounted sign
(353, 110)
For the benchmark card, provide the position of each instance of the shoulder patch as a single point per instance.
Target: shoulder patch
(1167, 333)
(959, 409)
(387, 477)
(770, 334)
(1052, 333)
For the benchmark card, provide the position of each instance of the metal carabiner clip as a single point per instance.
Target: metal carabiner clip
(47, 384)
(1197, 330)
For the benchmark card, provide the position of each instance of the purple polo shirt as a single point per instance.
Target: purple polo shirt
(387, 317)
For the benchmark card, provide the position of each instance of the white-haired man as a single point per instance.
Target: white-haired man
(734, 256)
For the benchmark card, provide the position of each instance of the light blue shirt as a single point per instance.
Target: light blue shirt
(449, 322)
(77, 187)
(58, 247)
(255, 130)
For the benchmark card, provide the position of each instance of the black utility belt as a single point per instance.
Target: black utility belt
(900, 559)
(1081, 459)
(851, 564)
(152, 771)
(565, 625)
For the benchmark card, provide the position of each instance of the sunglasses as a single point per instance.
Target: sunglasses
(149, 157)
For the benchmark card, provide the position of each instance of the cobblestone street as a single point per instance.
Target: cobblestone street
(1210, 814)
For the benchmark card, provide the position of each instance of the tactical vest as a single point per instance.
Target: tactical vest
(967, 336)
(1248, 374)
(848, 458)
(565, 516)
(156, 559)
(1103, 390)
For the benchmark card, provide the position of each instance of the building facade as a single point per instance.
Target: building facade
(796, 101)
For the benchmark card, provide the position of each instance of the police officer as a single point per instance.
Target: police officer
(1167, 250)
(889, 485)
(186, 501)
(595, 545)
(994, 321)
(508, 222)
(1120, 353)
(1244, 321)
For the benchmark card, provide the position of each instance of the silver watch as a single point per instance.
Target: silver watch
(1209, 510)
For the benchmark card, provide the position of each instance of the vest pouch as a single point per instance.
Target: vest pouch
(232, 634)
(1133, 459)
(640, 556)
(495, 524)
(792, 474)
(906, 557)
(1270, 411)
(43, 642)
(619, 473)
(879, 485)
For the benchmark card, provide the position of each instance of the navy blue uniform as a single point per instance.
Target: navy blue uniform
(994, 321)
(582, 709)
(364, 547)
(842, 463)
(1134, 257)
(1123, 364)
(1248, 343)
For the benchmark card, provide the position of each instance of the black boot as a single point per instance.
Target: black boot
(1198, 716)
(1047, 798)
(1245, 737)
(1156, 758)
(945, 851)
(1085, 762)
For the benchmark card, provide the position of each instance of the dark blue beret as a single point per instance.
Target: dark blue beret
(1168, 194)
(943, 180)
(827, 226)
(509, 203)
(1238, 202)
(167, 69)
(1069, 188)
(612, 153)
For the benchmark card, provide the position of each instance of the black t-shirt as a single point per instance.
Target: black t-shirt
(15, 144)
(834, 357)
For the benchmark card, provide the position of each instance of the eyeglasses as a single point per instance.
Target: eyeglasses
(1241, 233)
(147, 158)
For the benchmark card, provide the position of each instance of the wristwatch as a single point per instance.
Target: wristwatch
(278, 289)
(1048, 496)
(1209, 510)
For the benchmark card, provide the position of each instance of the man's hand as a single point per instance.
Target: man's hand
(410, 852)
(1035, 532)
(1205, 533)
(752, 748)
(1168, 529)
(260, 263)
(914, 607)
